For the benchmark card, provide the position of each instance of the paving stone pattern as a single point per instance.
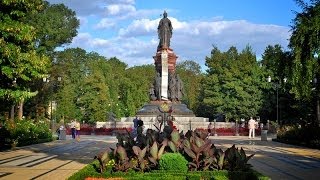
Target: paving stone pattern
(277, 160)
(54, 160)
(60, 159)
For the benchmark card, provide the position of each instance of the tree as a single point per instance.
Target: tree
(305, 45)
(56, 25)
(20, 63)
(138, 83)
(95, 88)
(191, 76)
(233, 84)
(277, 64)
(71, 65)
(95, 98)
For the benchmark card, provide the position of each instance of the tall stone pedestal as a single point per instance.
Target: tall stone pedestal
(165, 54)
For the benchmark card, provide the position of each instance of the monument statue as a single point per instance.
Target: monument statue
(172, 89)
(164, 31)
(180, 89)
(157, 86)
(167, 86)
(152, 94)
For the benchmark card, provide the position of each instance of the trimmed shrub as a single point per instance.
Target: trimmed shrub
(25, 132)
(173, 161)
(308, 136)
(91, 171)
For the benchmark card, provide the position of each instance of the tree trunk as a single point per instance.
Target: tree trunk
(20, 109)
(12, 113)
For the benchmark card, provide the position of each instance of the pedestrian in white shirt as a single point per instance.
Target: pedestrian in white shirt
(252, 126)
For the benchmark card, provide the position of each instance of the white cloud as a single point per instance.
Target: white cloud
(140, 27)
(93, 7)
(106, 23)
(119, 9)
(86, 41)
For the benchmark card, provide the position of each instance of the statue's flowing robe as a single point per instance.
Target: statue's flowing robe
(164, 32)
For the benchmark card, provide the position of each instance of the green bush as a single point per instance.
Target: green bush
(173, 161)
(25, 132)
(306, 135)
(91, 171)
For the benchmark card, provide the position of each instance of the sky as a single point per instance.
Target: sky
(127, 29)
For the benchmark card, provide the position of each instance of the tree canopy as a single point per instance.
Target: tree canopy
(56, 25)
(233, 84)
(305, 45)
(19, 60)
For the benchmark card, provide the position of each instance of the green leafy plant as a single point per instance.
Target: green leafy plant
(173, 161)
(236, 160)
(156, 152)
(198, 151)
(195, 147)
(25, 132)
(142, 162)
(122, 160)
(103, 158)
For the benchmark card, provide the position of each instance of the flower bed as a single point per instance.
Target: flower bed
(89, 173)
(231, 131)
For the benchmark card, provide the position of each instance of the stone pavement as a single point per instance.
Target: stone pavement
(276, 160)
(60, 159)
(54, 160)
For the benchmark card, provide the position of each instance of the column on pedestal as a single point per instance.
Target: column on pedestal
(164, 75)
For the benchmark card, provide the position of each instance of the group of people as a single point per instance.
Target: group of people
(75, 129)
(137, 122)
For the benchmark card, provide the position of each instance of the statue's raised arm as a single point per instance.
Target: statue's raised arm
(164, 31)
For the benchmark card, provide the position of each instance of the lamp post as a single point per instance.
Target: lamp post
(277, 85)
(53, 86)
(316, 88)
(237, 128)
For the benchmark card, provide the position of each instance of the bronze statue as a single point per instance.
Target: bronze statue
(157, 86)
(172, 87)
(164, 31)
(180, 89)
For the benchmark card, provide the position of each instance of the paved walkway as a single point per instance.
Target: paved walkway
(60, 159)
(54, 160)
(276, 160)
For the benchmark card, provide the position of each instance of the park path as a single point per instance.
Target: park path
(60, 159)
(276, 160)
(54, 160)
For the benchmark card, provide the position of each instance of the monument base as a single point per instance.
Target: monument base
(154, 109)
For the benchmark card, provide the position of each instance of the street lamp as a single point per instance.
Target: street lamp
(317, 90)
(54, 84)
(277, 85)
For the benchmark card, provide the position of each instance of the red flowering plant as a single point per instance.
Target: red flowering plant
(243, 131)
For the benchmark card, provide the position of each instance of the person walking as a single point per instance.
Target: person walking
(135, 126)
(210, 129)
(77, 127)
(73, 129)
(252, 126)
